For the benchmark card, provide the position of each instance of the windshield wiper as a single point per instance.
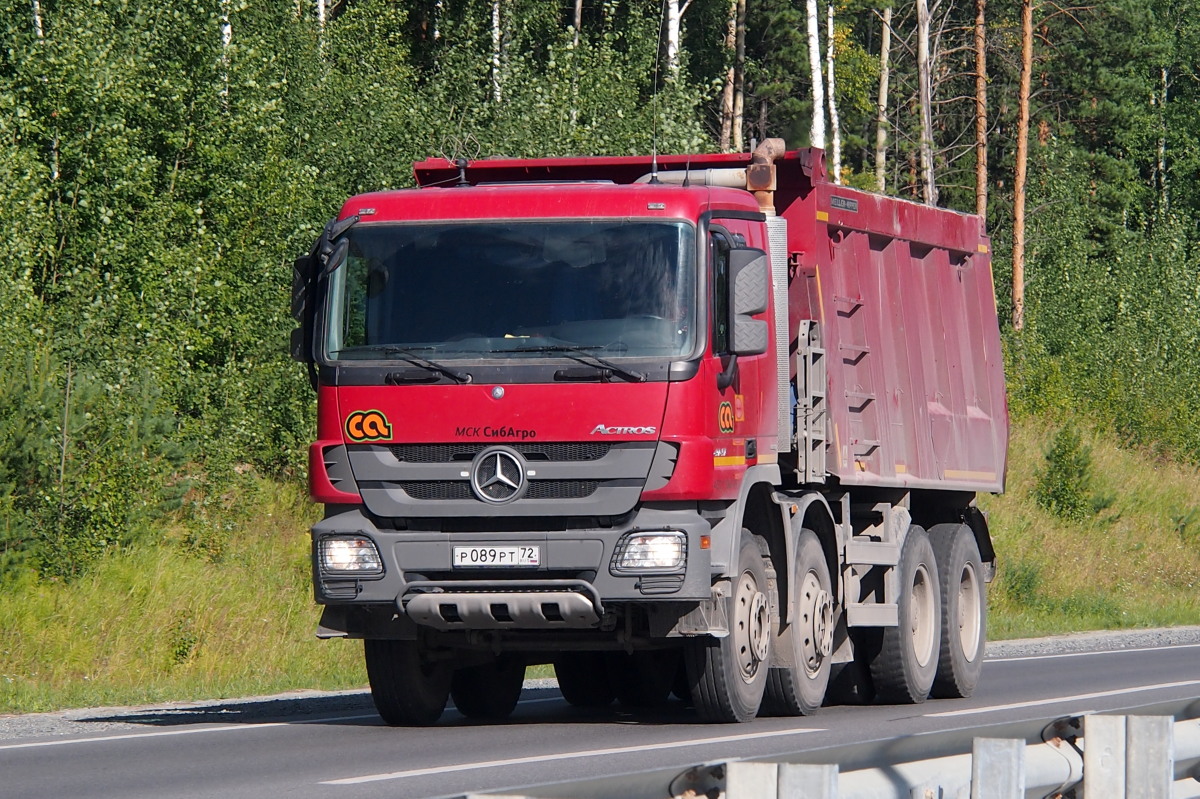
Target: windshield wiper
(410, 356)
(581, 354)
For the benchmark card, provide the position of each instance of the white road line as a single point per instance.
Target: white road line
(1015, 658)
(188, 731)
(222, 728)
(1054, 700)
(520, 761)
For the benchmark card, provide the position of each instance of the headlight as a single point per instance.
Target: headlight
(658, 551)
(350, 555)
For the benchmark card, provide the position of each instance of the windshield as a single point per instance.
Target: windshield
(514, 289)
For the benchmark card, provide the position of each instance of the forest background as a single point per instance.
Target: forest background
(165, 160)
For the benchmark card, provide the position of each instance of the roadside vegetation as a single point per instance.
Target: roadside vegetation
(163, 162)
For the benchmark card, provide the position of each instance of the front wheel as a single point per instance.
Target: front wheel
(800, 690)
(964, 611)
(408, 688)
(906, 664)
(728, 675)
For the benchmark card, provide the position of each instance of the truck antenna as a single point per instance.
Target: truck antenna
(461, 163)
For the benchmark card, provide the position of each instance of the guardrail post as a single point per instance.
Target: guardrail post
(997, 768)
(1104, 755)
(751, 780)
(804, 781)
(1150, 768)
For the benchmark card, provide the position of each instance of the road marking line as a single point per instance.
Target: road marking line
(1058, 700)
(189, 731)
(1015, 658)
(518, 761)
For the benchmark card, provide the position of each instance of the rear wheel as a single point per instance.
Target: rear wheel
(643, 679)
(904, 669)
(408, 688)
(583, 679)
(728, 675)
(964, 611)
(800, 690)
(489, 691)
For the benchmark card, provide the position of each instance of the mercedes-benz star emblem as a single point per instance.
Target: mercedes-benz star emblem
(498, 475)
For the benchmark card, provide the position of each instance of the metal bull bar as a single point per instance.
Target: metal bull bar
(491, 605)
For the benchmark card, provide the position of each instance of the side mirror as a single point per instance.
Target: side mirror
(749, 294)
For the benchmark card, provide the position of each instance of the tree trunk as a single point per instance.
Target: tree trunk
(1018, 256)
(37, 20)
(739, 79)
(673, 16)
(881, 123)
(726, 136)
(1163, 199)
(817, 131)
(835, 128)
(925, 94)
(226, 40)
(496, 50)
(577, 23)
(675, 13)
(981, 152)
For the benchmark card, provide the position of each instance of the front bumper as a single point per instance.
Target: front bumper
(573, 587)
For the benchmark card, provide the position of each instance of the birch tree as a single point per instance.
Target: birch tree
(834, 125)
(817, 131)
(496, 42)
(725, 136)
(37, 20)
(675, 13)
(881, 120)
(925, 94)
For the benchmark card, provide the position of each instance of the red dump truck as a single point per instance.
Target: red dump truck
(707, 425)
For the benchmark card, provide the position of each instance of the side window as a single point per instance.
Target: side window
(718, 255)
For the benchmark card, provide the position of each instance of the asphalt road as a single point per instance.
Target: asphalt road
(335, 745)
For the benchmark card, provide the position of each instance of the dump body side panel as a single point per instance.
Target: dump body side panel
(904, 296)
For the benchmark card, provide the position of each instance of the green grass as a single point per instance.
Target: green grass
(177, 620)
(220, 605)
(1134, 562)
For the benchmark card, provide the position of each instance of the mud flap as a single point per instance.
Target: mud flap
(710, 616)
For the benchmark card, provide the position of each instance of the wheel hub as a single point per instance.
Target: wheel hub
(752, 629)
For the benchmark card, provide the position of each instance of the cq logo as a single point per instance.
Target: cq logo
(367, 426)
(725, 417)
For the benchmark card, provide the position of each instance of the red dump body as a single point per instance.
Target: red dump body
(904, 298)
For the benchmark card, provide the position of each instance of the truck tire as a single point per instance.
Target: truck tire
(904, 669)
(643, 680)
(408, 689)
(488, 691)
(964, 611)
(800, 690)
(728, 675)
(583, 679)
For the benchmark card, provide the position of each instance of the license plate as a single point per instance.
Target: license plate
(505, 556)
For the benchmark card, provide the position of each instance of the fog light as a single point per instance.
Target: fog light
(658, 551)
(350, 555)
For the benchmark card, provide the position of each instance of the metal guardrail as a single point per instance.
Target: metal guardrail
(1145, 752)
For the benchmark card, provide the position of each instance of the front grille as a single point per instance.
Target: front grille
(568, 452)
(562, 489)
(538, 489)
(437, 489)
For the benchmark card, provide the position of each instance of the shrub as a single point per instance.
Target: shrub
(1064, 484)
